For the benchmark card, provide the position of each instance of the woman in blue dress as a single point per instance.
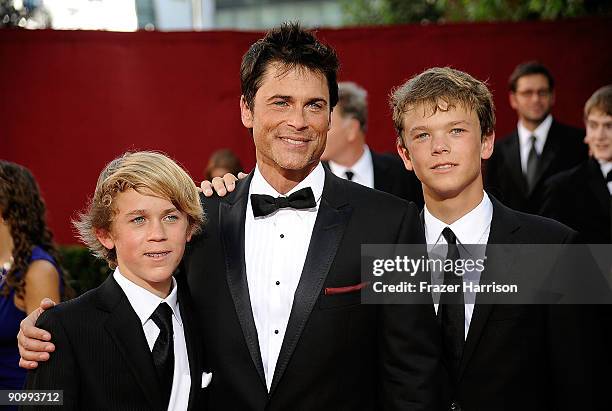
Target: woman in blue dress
(29, 268)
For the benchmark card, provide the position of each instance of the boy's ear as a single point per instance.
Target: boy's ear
(487, 145)
(245, 113)
(405, 155)
(105, 238)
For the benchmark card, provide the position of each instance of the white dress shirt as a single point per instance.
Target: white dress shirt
(363, 169)
(275, 250)
(541, 134)
(606, 167)
(144, 304)
(472, 228)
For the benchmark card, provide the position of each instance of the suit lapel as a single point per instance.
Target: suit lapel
(514, 161)
(499, 259)
(232, 215)
(332, 218)
(126, 331)
(549, 153)
(597, 184)
(192, 341)
(382, 181)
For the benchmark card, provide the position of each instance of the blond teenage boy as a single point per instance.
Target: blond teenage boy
(131, 343)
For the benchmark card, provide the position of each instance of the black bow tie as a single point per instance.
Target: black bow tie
(263, 204)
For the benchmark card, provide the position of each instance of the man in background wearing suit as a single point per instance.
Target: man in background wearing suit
(539, 147)
(276, 274)
(498, 357)
(348, 156)
(580, 197)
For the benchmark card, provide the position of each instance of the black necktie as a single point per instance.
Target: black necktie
(452, 310)
(609, 176)
(532, 164)
(263, 204)
(349, 175)
(163, 349)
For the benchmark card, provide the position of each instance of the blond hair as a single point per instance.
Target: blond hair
(600, 100)
(443, 85)
(146, 172)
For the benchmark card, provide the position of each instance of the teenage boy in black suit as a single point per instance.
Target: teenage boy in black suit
(131, 343)
(498, 357)
(580, 197)
(538, 148)
(276, 274)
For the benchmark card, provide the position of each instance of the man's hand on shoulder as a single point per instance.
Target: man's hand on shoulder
(221, 185)
(34, 343)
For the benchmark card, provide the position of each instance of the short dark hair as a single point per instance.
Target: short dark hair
(528, 68)
(291, 46)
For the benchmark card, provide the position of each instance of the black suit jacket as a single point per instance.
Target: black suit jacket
(391, 176)
(564, 149)
(102, 360)
(337, 354)
(580, 198)
(527, 357)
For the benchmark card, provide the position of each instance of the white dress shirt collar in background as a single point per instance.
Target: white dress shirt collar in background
(541, 134)
(606, 167)
(363, 169)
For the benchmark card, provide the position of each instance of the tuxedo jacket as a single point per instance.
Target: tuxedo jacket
(102, 360)
(563, 150)
(391, 176)
(526, 357)
(580, 198)
(337, 354)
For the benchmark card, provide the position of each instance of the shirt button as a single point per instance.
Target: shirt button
(282, 236)
(275, 331)
(278, 283)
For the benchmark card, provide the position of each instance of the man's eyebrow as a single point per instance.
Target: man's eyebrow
(279, 96)
(317, 100)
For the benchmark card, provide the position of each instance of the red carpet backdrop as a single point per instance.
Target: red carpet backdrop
(71, 101)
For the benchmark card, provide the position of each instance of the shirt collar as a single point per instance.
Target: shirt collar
(606, 167)
(469, 229)
(145, 302)
(315, 180)
(360, 168)
(541, 133)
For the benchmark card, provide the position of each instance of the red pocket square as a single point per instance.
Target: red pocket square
(344, 290)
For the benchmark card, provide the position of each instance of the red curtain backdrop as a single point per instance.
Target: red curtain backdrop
(70, 101)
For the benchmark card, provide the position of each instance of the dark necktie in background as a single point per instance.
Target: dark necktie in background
(451, 309)
(349, 175)
(163, 349)
(532, 164)
(264, 204)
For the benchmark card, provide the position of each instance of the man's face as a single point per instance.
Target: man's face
(599, 134)
(445, 150)
(149, 235)
(533, 98)
(290, 119)
(338, 135)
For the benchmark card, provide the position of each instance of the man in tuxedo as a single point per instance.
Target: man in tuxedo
(539, 147)
(580, 197)
(276, 274)
(498, 357)
(348, 156)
